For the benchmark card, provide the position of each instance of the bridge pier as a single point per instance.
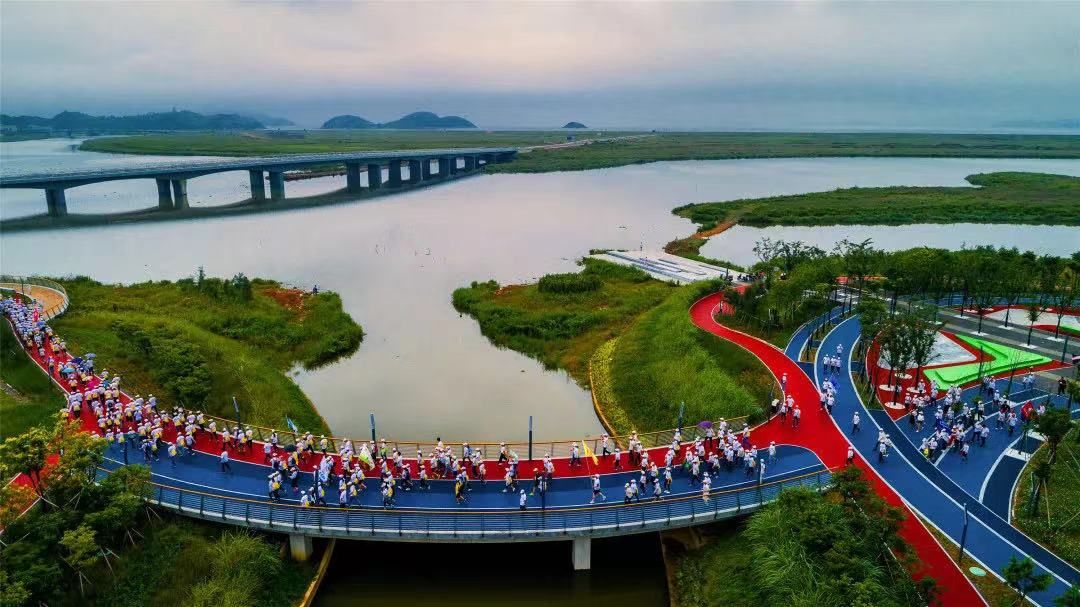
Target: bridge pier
(164, 195)
(446, 167)
(582, 553)
(258, 186)
(470, 163)
(374, 176)
(352, 177)
(56, 201)
(179, 188)
(395, 174)
(300, 547)
(414, 171)
(425, 169)
(277, 185)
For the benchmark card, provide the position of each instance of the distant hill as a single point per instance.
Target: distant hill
(429, 120)
(416, 120)
(268, 120)
(574, 125)
(158, 121)
(348, 121)
(1066, 123)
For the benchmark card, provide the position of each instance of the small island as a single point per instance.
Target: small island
(574, 125)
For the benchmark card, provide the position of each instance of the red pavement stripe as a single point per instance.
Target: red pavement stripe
(819, 433)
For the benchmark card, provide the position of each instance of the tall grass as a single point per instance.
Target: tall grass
(664, 360)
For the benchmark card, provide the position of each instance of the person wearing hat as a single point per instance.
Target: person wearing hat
(628, 493)
(502, 454)
(522, 500)
(596, 490)
(706, 486)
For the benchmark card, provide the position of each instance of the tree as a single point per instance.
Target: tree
(82, 551)
(894, 348)
(27, 453)
(1054, 424)
(872, 313)
(1020, 574)
(1034, 311)
(921, 337)
(1071, 598)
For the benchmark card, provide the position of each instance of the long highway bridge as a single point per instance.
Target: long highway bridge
(405, 168)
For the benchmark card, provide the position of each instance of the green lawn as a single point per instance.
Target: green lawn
(201, 347)
(27, 398)
(711, 146)
(663, 360)
(1057, 523)
(261, 143)
(562, 329)
(1021, 198)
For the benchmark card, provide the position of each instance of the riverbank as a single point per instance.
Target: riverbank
(659, 360)
(611, 153)
(200, 342)
(1015, 198)
(27, 398)
(269, 143)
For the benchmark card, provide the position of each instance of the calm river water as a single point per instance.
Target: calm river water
(423, 369)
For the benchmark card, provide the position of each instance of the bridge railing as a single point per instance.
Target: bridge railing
(25, 284)
(556, 448)
(602, 519)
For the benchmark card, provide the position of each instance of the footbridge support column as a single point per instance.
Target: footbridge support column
(352, 178)
(258, 186)
(470, 163)
(374, 176)
(164, 195)
(425, 169)
(179, 188)
(56, 201)
(277, 185)
(300, 547)
(582, 553)
(414, 171)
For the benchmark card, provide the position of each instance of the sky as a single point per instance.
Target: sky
(665, 65)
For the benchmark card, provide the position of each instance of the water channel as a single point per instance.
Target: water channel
(423, 369)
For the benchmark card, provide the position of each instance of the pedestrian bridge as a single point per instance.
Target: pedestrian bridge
(405, 169)
(195, 485)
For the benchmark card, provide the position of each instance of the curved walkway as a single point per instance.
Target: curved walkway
(820, 433)
(928, 491)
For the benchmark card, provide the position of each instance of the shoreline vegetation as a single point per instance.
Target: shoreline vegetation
(621, 151)
(201, 341)
(659, 360)
(1005, 197)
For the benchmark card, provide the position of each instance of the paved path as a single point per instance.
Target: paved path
(930, 492)
(820, 433)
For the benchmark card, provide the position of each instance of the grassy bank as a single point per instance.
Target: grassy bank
(1019, 198)
(663, 360)
(659, 360)
(562, 325)
(27, 397)
(713, 146)
(1056, 524)
(201, 342)
(261, 143)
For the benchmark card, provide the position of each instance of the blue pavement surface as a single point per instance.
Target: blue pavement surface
(201, 472)
(990, 539)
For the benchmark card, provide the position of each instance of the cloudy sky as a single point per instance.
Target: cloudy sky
(612, 64)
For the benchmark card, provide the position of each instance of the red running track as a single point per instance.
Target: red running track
(819, 433)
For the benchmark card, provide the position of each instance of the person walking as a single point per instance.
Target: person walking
(225, 467)
(596, 492)
(855, 423)
(522, 501)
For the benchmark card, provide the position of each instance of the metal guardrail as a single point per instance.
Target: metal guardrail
(22, 282)
(492, 525)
